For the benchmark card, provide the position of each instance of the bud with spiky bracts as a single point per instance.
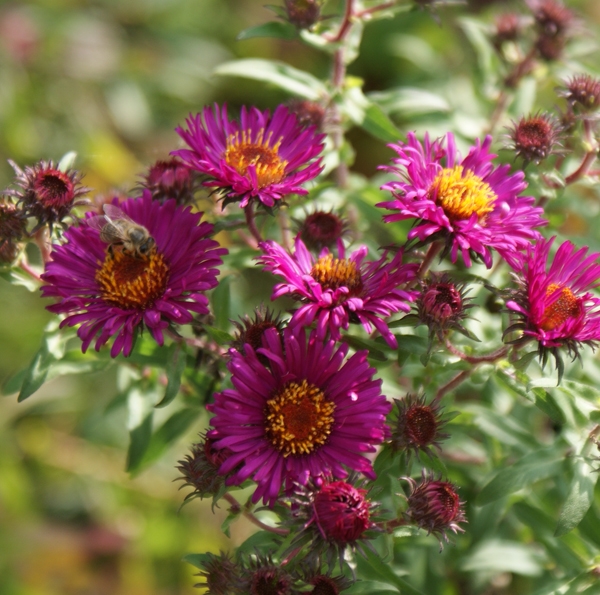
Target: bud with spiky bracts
(330, 517)
(582, 93)
(250, 330)
(171, 179)
(434, 505)
(13, 228)
(261, 576)
(508, 27)
(220, 574)
(442, 306)
(47, 193)
(535, 137)
(418, 426)
(554, 22)
(323, 583)
(200, 469)
(303, 14)
(321, 229)
(308, 113)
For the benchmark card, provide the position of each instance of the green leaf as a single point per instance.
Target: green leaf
(16, 276)
(220, 300)
(217, 335)
(409, 101)
(512, 384)
(578, 389)
(67, 161)
(174, 370)
(504, 556)
(373, 347)
(168, 433)
(52, 349)
(197, 560)
(279, 74)
(524, 473)
(385, 573)
(273, 29)
(546, 402)
(376, 123)
(140, 427)
(579, 499)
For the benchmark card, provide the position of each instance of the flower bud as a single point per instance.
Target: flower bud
(535, 137)
(303, 13)
(435, 506)
(171, 179)
(13, 227)
(582, 93)
(321, 230)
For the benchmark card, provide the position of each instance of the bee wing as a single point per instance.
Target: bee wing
(114, 213)
(97, 222)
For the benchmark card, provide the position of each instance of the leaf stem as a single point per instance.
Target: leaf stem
(236, 506)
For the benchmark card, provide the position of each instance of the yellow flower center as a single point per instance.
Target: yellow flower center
(462, 193)
(333, 273)
(130, 282)
(566, 306)
(242, 152)
(298, 419)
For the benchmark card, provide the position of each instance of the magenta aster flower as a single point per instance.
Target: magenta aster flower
(260, 156)
(468, 202)
(554, 302)
(108, 290)
(305, 414)
(337, 290)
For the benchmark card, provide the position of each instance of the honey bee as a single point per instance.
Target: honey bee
(121, 233)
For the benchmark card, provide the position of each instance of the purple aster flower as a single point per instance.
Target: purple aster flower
(467, 202)
(109, 289)
(305, 414)
(259, 157)
(554, 302)
(340, 290)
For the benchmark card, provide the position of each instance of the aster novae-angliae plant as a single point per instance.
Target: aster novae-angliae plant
(554, 301)
(337, 290)
(113, 293)
(305, 414)
(466, 203)
(261, 157)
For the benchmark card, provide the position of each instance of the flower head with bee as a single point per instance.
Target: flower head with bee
(142, 265)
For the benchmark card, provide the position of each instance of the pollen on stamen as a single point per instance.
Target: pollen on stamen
(260, 153)
(299, 419)
(558, 312)
(462, 193)
(132, 283)
(333, 273)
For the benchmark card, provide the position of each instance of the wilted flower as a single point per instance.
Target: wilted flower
(418, 426)
(535, 137)
(554, 302)
(465, 202)
(582, 93)
(321, 229)
(200, 469)
(112, 292)
(47, 193)
(171, 179)
(551, 17)
(262, 157)
(434, 505)
(336, 290)
(13, 228)
(221, 575)
(305, 414)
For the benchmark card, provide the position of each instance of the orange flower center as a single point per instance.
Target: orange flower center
(566, 306)
(129, 282)
(333, 273)
(462, 193)
(242, 152)
(298, 419)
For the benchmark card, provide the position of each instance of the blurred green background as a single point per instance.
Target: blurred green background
(111, 79)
